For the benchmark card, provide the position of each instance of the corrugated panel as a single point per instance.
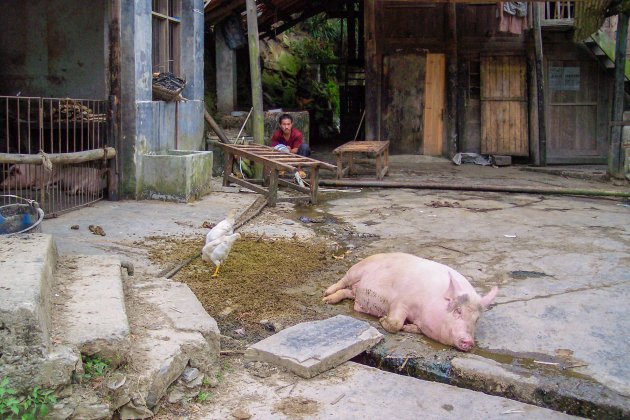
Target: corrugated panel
(589, 17)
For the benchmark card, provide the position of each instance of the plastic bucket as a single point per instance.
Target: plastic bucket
(20, 217)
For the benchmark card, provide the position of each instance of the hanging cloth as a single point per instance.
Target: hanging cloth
(511, 16)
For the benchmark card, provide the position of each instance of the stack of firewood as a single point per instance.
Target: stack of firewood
(75, 111)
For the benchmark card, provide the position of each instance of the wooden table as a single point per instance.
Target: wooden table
(273, 162)
(376, 149)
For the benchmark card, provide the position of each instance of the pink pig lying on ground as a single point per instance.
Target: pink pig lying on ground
(415, 295)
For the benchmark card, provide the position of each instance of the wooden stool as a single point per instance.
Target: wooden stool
(376, 149)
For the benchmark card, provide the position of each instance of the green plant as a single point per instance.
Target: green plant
(94, 366)
(203, 396)
(33, 406)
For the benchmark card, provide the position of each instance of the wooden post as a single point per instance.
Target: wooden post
(258, 119)
(540, 86)
(115, 90)
(451, 70)
(373, 70)
(615, 157)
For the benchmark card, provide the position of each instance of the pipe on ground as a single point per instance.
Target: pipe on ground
(486, 188)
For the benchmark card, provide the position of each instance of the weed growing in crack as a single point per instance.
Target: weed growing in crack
(30, 407)
(204, 396)
(94, 366)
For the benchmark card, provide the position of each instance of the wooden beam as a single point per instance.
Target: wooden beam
(258, 119)
(59, 158)
(373, 70)
(615, 155)
(540, 87)
(452, 81)
(115, 91)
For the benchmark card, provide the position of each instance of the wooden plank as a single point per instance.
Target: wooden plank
(403, 101)
(504, 125)
(434, 105)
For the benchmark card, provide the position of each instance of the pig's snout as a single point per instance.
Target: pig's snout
(465, 344)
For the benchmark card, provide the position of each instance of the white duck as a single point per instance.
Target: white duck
(218, 250)
(223, 228)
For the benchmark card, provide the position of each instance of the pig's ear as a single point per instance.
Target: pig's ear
(487, 299)
(453, 288)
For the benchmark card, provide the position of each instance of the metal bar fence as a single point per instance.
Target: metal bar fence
(32, 125)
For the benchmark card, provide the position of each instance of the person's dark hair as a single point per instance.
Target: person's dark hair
(285, 117)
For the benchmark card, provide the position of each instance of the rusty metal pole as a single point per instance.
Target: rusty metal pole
(258, 119)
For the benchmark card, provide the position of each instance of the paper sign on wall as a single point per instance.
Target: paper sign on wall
(564, 78)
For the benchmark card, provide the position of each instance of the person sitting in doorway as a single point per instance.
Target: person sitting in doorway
(288, 138)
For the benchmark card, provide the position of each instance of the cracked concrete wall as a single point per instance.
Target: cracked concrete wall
(53, 48)
(156, 126)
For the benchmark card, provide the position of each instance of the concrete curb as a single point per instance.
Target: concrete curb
(572, 395)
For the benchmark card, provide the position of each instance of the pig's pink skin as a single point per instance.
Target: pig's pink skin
(78, 179)
(416, 295)
(25, 175)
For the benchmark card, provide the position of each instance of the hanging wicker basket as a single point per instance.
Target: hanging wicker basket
(167, 87)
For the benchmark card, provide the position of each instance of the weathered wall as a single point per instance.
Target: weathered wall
(413, 29)
(157, 126)
(53, 48)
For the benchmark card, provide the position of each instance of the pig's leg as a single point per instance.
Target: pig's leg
(338, 296)
(395, 318)
(344, 283)
(412, 328)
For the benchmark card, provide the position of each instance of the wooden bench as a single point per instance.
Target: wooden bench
(273, 162)
(375, 149)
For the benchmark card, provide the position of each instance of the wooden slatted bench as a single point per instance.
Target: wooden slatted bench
(376, 149)
(273, 162)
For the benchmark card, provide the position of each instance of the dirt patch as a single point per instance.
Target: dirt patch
(280, 280)
(297, 407)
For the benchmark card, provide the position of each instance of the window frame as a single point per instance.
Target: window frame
(166, 36)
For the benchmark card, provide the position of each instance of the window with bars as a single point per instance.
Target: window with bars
(166, 22)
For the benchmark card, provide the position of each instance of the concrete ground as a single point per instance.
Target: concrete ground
(556, 336)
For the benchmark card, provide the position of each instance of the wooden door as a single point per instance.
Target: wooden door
(574, 107)
(504, 126)
(403, 100)
(434, 105)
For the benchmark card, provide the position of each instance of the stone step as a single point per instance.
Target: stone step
(89, 307)
(29, 358)
(170, 332)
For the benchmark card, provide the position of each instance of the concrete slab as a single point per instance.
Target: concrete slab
(182, 308)
(159, 357)
(170, 332)
(128, 221)
(314, 347)
(28, 356)
(27, 264)
(561, 267)
(353, 391)
(90, 308)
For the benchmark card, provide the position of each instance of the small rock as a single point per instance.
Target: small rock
(74, 227)
(266, 324)
(241, 414)
(116, 381)
(198, 381)
(277, 326)
(190, 374)
(226, 311)
(175, 396)
(239, 332)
